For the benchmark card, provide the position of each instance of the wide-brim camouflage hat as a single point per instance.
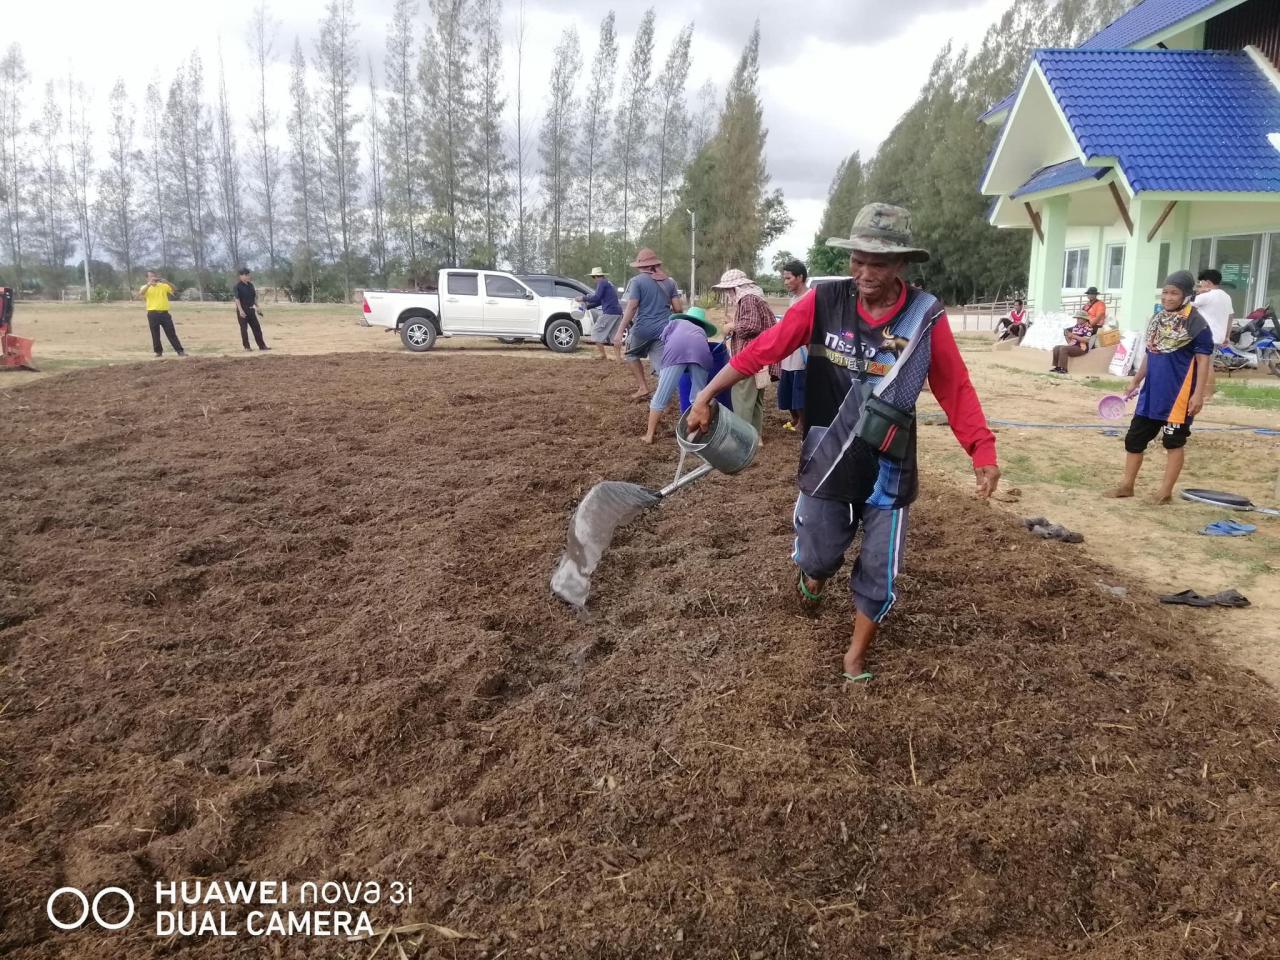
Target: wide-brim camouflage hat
(882, 228)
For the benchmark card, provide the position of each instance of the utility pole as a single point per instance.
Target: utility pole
(693, 255)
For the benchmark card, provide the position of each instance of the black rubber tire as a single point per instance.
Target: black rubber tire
(562, 336)
(418, 334)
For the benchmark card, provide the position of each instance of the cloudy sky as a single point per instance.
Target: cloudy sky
(835, 74)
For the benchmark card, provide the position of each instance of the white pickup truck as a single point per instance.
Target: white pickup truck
(476, 303)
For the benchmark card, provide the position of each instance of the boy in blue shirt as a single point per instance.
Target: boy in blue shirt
(1171, 382)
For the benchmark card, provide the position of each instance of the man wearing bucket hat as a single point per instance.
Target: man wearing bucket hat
(1170, 385)
(873, 344)
(653, 298)
(684, 350)
(606, 298)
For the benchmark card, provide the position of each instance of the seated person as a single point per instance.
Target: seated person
(1015, 324)
(1096, 309)
(1077, 344)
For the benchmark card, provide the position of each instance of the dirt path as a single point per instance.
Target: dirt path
(1061, 473)
(290, 619)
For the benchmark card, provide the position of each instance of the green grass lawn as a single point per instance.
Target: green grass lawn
(1241, 392)
(1260, 398)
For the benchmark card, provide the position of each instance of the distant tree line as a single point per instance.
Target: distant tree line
(933, 159)
(347, 178)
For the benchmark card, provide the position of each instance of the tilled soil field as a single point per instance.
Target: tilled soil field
(290, 620)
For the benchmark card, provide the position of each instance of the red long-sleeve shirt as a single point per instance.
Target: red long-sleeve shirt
(948, 376)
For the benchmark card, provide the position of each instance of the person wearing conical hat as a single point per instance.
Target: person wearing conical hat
(874, 342)
(652, 298)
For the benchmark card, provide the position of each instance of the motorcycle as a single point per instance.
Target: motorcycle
(1251, 346)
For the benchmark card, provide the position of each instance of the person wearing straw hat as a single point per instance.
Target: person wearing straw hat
(874, 342)
(653, 298)
(684, 350)
(606, 299)
(1077, 344)
(749, 316)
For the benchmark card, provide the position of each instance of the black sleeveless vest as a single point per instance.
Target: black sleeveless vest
(847, 359)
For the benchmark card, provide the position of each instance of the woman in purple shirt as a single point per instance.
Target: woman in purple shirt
(684, 348)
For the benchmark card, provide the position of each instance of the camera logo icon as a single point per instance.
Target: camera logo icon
(88, 909)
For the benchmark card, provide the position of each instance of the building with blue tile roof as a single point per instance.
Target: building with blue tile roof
(1153, 146)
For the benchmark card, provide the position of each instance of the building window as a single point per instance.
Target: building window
(1115, 266)
(1076, 275)
(1201, 257)
(1162, 271)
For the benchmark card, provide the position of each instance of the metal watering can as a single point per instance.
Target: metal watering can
(729, 445)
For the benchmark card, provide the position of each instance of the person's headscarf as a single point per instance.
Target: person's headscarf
(1168, 331)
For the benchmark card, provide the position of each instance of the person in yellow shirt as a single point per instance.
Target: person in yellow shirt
(157, 291)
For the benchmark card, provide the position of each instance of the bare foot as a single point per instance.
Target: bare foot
(640, 395)
(1119, 493)
(1161, 499)
(647, 438)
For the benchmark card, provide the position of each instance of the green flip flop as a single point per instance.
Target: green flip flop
(814, 598)
(863, 677)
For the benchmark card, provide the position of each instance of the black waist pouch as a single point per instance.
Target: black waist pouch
(886, 429)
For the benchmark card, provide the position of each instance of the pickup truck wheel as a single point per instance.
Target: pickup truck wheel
(562, 336)
(418, 334)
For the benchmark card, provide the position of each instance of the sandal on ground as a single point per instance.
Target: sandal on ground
(1187, 598)
(1230, 598)
(809, 596)
(1229, 528)
(863, 677)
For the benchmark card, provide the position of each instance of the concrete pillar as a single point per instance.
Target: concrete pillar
(1044, 284)
(1036, 253)
(1142, 262)
(1097, 261)
(1177, 233)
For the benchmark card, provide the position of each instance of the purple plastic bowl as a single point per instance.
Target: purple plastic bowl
(1111, 407)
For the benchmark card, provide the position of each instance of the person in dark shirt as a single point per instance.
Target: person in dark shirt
(1170, 385)
(247, 311)
(606, 299)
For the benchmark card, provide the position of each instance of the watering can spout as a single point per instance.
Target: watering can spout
(728, 444)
